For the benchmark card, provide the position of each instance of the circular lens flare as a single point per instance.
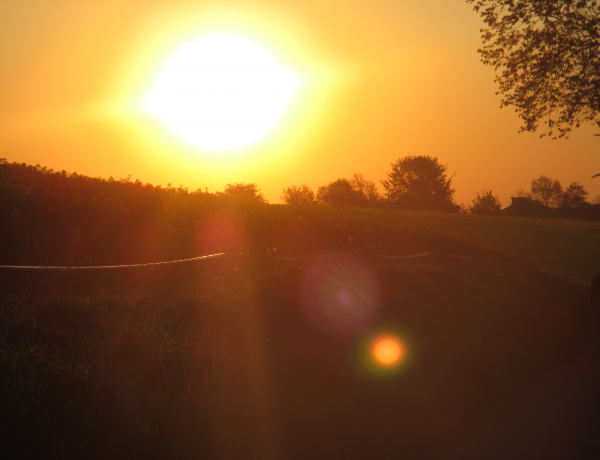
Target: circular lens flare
(341, 296)
(387, 350)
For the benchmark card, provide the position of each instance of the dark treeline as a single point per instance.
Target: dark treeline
(57, 218)
(416, 183)
(53, 217)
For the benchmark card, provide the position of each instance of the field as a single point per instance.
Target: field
(564, 248)
(252, 355)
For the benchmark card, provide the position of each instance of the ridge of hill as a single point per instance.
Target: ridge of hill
(57, 218)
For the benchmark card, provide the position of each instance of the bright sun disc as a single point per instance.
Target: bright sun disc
(221, 92)
(387, 350)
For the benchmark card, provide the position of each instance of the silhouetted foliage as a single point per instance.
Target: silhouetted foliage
(524, 193)
(548, 55)
(367, 188)
(244, 192)
(58, 218)
(486, 203)
(340, 193)
(299, 195)
(548, 191)
(420, 183)
(574, 195)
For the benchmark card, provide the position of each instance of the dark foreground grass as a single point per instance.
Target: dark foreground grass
(249, 358)
(252, 357)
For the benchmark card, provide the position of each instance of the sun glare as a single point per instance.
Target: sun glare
(221, 92)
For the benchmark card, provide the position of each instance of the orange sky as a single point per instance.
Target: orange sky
(379, 80)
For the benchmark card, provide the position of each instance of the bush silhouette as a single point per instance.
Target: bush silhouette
(420, 183)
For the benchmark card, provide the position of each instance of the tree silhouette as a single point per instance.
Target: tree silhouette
(574, 195)
(339, 193)
(243, 192)
(524, 193)
(367, 188)
(548, 55)
(420, 183)
(548, 191)
(301, 195)
(486, 203)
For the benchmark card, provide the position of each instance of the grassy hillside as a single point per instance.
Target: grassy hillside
(57, 218)
(564, 248)
(567, 248)
(250, 356)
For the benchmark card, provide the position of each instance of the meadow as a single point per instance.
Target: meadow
(265, 352)
(246, 356)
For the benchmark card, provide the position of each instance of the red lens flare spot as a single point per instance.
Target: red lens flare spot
(340, 296)
(387, 350)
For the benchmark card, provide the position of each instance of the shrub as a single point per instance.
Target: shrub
(486, 203)
(299, 195)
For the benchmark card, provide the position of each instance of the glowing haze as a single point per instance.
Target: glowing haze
(374, 81)
(221, 92)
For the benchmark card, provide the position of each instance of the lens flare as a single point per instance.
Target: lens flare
(387, 350)
(340, 297)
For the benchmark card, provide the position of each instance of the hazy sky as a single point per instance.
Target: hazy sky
(378, 80)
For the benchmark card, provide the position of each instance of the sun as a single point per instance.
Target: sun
(221, 92)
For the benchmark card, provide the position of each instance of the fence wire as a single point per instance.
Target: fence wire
(221, 254)
(106, 267)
